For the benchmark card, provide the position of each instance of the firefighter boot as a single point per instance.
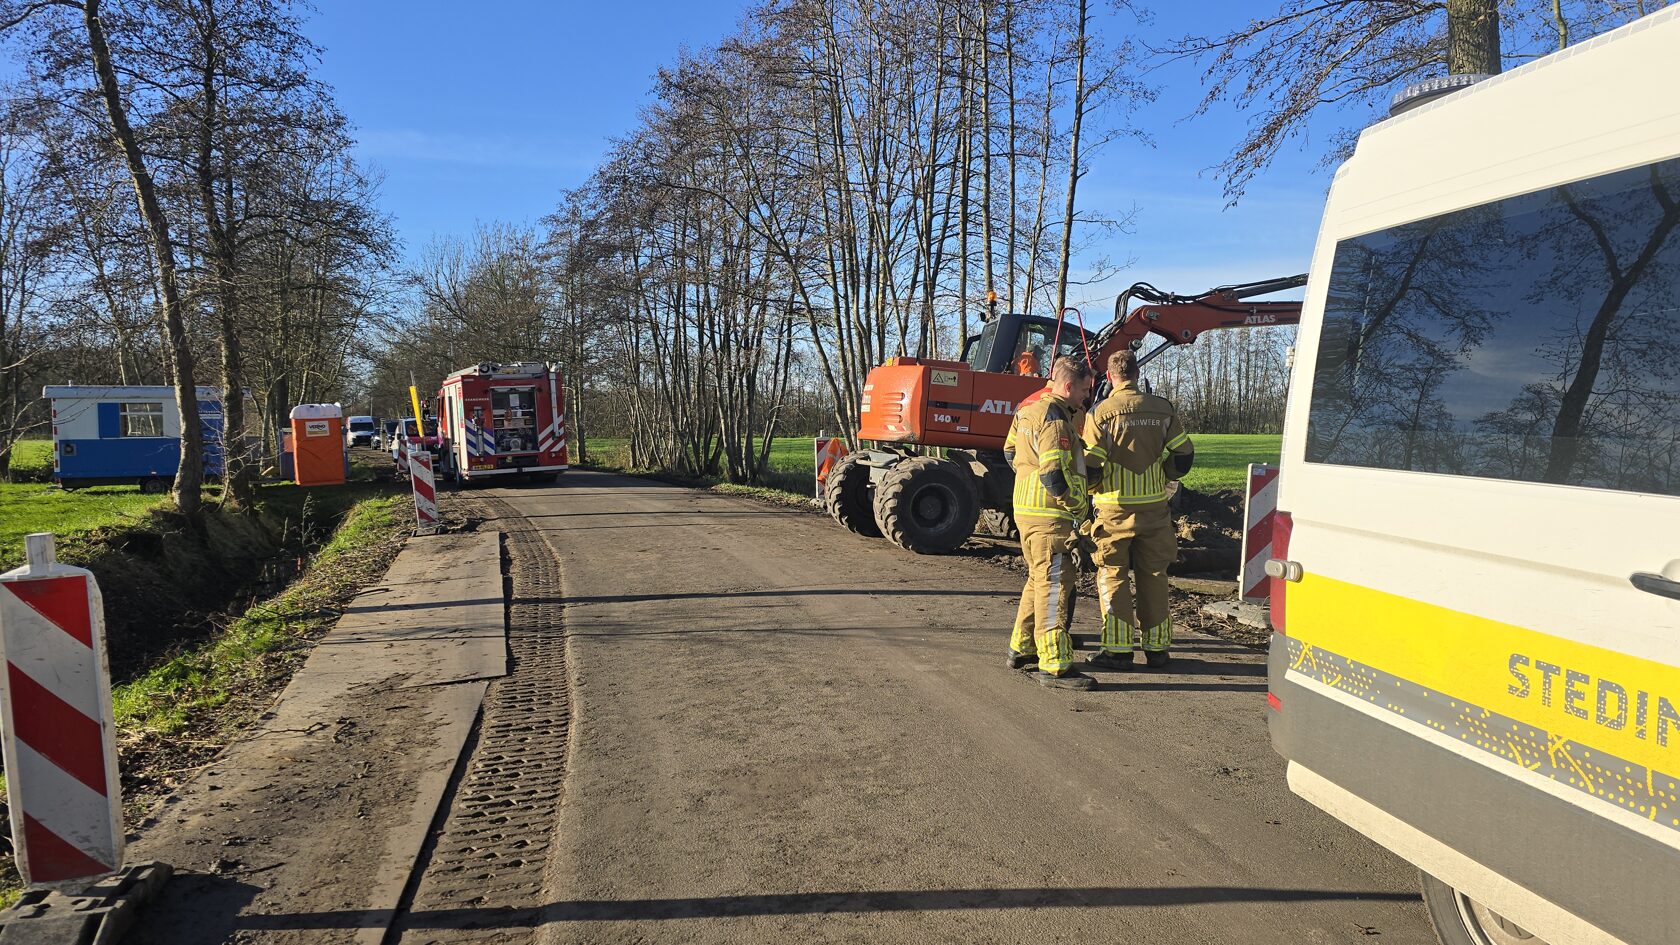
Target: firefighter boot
(1106, 659)
(1071, 679)
(1028, 660)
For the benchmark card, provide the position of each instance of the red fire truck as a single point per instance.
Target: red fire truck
(503, 419)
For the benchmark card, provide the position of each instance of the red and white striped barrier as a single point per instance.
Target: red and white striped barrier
(1257, 532)
(828, 450)
(59, 741)
(425, 491)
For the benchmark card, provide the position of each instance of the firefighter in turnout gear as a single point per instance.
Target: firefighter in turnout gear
(1050, 502)
(1134, 444)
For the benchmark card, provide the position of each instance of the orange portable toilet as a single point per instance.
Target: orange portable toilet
(318, 444)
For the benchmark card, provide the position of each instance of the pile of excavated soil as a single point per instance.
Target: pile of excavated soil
(1209, 531)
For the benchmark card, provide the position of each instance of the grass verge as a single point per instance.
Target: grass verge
(195, 689)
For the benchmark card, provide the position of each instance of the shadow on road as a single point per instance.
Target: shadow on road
(931, 900)
(788, 592)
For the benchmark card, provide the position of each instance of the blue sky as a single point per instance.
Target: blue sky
(487, 111)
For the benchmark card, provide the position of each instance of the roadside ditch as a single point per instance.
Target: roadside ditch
(207, 620)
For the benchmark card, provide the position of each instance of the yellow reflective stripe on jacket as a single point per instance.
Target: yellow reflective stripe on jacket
(1178, 441)
(1121, 486)
(1034, 501)
(1041, 445)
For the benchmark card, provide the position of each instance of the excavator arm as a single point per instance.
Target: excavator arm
(1180, 319)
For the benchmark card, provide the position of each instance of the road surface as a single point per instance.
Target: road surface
(781, 732)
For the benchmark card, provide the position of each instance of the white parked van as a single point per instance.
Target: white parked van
(361, 431)
(1477, 582)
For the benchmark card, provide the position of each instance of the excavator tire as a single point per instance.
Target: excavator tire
(926, 505)
(846, 496)
(999, 523)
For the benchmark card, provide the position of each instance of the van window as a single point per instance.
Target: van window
(141, 420)
(1536, 339)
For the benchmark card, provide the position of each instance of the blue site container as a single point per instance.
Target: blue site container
(127, 435)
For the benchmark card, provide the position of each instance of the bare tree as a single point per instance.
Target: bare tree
(1313, 55)
(96, 51)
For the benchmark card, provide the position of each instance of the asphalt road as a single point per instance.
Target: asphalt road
(786, 733)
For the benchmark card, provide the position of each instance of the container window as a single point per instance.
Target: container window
(1534, 339)
(142, 420)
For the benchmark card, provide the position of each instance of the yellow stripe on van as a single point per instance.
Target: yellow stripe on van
(1625, 706)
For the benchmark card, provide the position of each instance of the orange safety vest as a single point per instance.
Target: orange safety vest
(1027, 364)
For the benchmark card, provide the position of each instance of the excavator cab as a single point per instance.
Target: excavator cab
(1006, 338)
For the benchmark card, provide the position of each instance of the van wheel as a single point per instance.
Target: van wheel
(846, 496)
(1460, 920)
(153, 486)
(926, 505)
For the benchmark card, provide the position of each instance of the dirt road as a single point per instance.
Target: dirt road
(784, 733)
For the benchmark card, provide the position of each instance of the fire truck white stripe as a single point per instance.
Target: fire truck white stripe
(64, 805)
(48, 655)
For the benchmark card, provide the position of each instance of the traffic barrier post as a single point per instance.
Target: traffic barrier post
(1260, 511)
(827, 451)
(59, 740)
(425, 490)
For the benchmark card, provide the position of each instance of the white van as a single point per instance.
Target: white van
(1477, 582)
(361, 431)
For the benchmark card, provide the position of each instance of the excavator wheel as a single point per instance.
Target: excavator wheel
(846, 496)
(999, 523)
(926, 505)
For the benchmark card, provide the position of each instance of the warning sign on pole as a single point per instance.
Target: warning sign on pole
(425, 490)
(59, 741)
(1261, 512)
(828, 450)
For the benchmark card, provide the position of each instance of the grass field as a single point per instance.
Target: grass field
(1221, 459)
(32, 461)
(27, 507)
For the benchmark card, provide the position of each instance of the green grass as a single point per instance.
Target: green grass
(27, 507)
(32, 461)
(1221, 460)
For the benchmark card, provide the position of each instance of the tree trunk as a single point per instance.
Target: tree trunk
(189, 480)
(1473, 37)
(238, 490)
(1073, 157)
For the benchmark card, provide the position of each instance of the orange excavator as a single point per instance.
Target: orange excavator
(898, 486)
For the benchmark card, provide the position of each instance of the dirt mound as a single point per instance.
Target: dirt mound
(1209, 531)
